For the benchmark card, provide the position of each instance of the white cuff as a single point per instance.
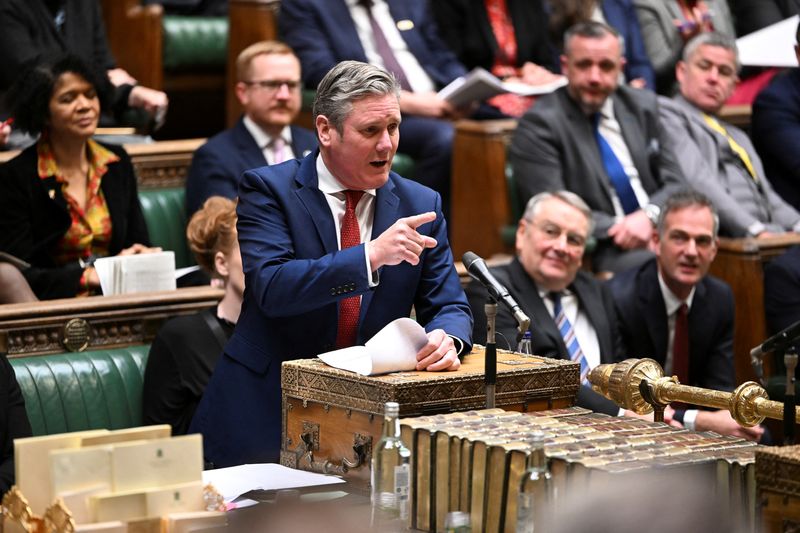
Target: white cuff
(689, 419)
(755, 228)
(374, 277)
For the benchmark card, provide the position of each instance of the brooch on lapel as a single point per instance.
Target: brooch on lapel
(405, 25)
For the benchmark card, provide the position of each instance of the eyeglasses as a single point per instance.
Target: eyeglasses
(552, 232)
(274, 85)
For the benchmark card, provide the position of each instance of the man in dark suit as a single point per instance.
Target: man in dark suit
(305, 293)
(601, 141)
(753, 15)
(775, 131)
(551, 238)
(401, 36)
(268, 88)
(671, 311)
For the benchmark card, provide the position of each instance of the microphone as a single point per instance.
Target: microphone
(779, 341)
(477, 269)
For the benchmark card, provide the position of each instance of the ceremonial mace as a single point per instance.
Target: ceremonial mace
(640, 385)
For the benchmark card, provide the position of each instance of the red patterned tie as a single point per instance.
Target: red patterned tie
(349, 308)
(680, 345)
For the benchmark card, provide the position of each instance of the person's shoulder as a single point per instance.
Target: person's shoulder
(220, 141)
(625, 283)
(717, 286)
(116, 149)
(643, 99)
(554, 103)
(183, 327)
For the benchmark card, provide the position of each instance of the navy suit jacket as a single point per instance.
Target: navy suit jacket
(621, 15)
(782, 290)
(643, 322)
(546, 340)
(322, 34)
(295, 275)
(218, 165)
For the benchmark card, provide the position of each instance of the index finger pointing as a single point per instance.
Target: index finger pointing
(418, 220)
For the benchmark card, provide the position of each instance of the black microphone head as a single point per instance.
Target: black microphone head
(468, 258)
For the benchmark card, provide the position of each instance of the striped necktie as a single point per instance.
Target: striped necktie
(568, 334)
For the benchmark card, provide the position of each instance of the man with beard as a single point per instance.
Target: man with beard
(671, 311)
(268, 88)
(602, 141)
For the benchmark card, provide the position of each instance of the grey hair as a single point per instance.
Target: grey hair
(711, 39)
(591, 29)
(347, 82)
(683, 199)
(570, 198)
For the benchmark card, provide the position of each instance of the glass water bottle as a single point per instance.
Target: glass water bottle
(535, 490)
(391, 471)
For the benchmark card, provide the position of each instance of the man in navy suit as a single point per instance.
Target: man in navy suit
(269, 91)
(671, 311)
(324, 32)
(307, 290)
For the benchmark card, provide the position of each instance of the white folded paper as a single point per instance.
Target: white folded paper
(392, 349)
(480, 84)
(124, 274)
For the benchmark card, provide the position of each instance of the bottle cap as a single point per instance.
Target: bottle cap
(391, 408)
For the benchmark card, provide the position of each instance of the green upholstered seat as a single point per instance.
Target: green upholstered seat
(164, 212)
(83, 390)
(195, 42)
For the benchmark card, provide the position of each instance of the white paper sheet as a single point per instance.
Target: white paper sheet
(392, 349)
(234, 481)
(772, 46)
(480, 84)
(124, 274)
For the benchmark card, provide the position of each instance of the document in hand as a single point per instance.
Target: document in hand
(392, 349)
(480, 84)
(124, 274)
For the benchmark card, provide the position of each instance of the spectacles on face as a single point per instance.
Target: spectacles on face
(553, 232)
(272, 86)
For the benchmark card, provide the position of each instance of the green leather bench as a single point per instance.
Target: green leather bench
(194, 43)
(165, 214)
(83, 390)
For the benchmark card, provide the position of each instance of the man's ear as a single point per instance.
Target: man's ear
(680, 71)
(241, 93)
(324, 127)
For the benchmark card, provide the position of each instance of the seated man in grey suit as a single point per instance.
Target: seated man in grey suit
(269, 91)
(601, 141)
(671, 311)
(562, 301)
(717, 158)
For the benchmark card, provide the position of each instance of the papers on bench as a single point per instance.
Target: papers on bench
(772, 46)
(237, 480)
(392, 349)
(480, 84)
(124, 274)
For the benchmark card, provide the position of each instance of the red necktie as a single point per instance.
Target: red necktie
(680, 345)
(349, 308)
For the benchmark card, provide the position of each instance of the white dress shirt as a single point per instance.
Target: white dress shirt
(612, 132)
(365, 211)
(417, 77)
(264, 140)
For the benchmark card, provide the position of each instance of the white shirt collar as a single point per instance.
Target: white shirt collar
(672, 302)
(607, 110)
(261, 137)
(327, 182)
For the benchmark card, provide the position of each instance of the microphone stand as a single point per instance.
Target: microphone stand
(490, 354)
(789, 400)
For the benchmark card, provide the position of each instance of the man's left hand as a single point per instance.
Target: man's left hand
(633, 231)
(439, 353)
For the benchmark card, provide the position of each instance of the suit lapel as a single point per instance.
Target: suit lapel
(636, 140)
(342, 25)
(596, 313)
(652, 307)
(249, 150)
(386, 206)
(542, 322)
(313, 200)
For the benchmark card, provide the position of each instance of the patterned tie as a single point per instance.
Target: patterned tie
(615, 170)
(349, 308)
(680, 345)
(568, 334)
(384, 49)
(278, 150)
(737, 148)
(504, 34)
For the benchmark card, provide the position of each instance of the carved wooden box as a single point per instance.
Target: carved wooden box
(332, 417)
(778, 486)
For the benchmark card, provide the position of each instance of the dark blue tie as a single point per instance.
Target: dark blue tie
(615, 171)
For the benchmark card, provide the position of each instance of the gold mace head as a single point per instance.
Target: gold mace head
(619, 382)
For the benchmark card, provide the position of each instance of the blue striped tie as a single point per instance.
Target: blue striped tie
(616, 172)
(568, 334)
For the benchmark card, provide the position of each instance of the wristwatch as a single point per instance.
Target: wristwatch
(652, 211)
(86, 263)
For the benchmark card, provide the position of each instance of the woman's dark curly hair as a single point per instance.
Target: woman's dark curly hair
(29, 96)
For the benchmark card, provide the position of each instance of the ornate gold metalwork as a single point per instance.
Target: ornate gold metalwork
(76, 335)
(748, 404)
(58, 519)
(16, 509)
